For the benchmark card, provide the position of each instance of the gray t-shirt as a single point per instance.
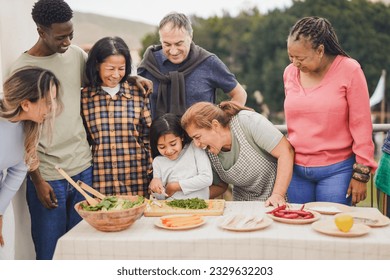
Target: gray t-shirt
(260, 133)
(69, 148)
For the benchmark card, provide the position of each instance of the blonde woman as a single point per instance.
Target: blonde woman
(29, 100)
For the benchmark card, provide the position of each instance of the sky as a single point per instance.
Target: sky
(152, 11)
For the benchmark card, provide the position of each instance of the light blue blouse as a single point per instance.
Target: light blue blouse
(12, 167)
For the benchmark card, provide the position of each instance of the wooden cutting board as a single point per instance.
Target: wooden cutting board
(216, 208)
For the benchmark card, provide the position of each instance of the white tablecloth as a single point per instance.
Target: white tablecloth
(144, 241)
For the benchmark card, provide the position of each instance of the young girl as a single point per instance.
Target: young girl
(30, 98)
(117, 119)
(179, 168)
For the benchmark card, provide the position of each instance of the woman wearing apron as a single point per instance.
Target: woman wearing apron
(245, 149)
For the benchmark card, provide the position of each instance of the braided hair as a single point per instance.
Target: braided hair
(320, 32)
(47, 12)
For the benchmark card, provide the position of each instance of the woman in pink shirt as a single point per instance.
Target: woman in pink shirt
(328, 117)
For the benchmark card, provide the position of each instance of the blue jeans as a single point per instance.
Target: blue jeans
(326, 183)
(48, 225)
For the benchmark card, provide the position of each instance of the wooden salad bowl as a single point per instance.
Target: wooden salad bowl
(113, 220)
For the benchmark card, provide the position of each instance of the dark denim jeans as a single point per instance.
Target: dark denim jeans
(48, 225)
(388, 206)
(326, 183)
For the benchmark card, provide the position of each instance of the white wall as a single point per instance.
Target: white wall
(17, 34)
(17, 31)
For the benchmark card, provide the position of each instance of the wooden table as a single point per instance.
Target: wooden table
(144, 241)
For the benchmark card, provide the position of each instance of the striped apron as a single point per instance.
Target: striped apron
(252, 175)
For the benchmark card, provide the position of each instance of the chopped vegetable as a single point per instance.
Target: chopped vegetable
(181, 221)
(113, 203)
(190, 203)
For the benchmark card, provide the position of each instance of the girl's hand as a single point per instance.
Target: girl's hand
(171, 188)
(156, 186)
(275, 200)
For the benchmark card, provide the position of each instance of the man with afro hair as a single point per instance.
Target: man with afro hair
(45, 13)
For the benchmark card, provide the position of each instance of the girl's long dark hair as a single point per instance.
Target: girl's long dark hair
(166, 124)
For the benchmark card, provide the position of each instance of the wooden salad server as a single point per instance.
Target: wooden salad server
(90, 190)
(89, 199)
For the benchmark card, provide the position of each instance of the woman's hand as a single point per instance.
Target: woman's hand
(1, 231)
(142, 83)
(218, 190)
(275, 200)
(358, 191)
(284, 152)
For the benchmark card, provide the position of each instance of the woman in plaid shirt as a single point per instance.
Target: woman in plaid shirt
(117, 119)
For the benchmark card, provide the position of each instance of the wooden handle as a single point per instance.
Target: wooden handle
(89, 199)
(90, 189)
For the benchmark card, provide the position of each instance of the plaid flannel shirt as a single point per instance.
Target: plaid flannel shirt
(118, 130)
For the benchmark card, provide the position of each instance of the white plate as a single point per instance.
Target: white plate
(316, 217)
(265, 222)
(159, 223)
(329, 227)
(327, 208)
(381, 219)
